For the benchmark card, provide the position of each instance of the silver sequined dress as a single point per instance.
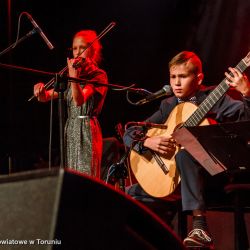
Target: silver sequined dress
(83, 136)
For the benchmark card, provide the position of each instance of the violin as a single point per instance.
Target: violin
(79, 60)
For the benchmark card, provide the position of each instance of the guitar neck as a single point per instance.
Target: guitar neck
(212, 99)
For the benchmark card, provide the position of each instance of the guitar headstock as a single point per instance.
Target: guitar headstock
(246, 60)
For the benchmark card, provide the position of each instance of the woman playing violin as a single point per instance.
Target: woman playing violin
(83, 136)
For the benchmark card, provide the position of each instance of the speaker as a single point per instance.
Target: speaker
(63, 209)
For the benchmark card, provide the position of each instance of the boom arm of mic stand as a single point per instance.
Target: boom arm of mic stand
(13, 45)
(60, 75)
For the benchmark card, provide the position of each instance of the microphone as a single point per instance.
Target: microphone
(39, 30)
(147, 125)
(165, 91)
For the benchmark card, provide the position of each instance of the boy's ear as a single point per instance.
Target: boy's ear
(200, 77)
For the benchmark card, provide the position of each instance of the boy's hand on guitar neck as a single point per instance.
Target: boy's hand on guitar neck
(160, 144)
(238, 80)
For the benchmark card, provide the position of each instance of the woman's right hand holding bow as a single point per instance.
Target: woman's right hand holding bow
(40, 92)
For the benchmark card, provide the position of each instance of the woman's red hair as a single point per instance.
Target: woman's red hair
(95, 49)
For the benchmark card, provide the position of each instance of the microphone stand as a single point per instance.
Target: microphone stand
(118, 171)
(9, 48)
(60, 85)
(13, 45)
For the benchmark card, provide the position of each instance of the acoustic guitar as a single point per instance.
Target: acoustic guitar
(157, 174)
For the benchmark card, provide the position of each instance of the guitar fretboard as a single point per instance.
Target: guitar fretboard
(211, 100)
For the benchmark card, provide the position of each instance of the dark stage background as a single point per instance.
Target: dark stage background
(137, 50)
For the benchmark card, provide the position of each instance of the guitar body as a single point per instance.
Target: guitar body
(146, 169)
(158, 175)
